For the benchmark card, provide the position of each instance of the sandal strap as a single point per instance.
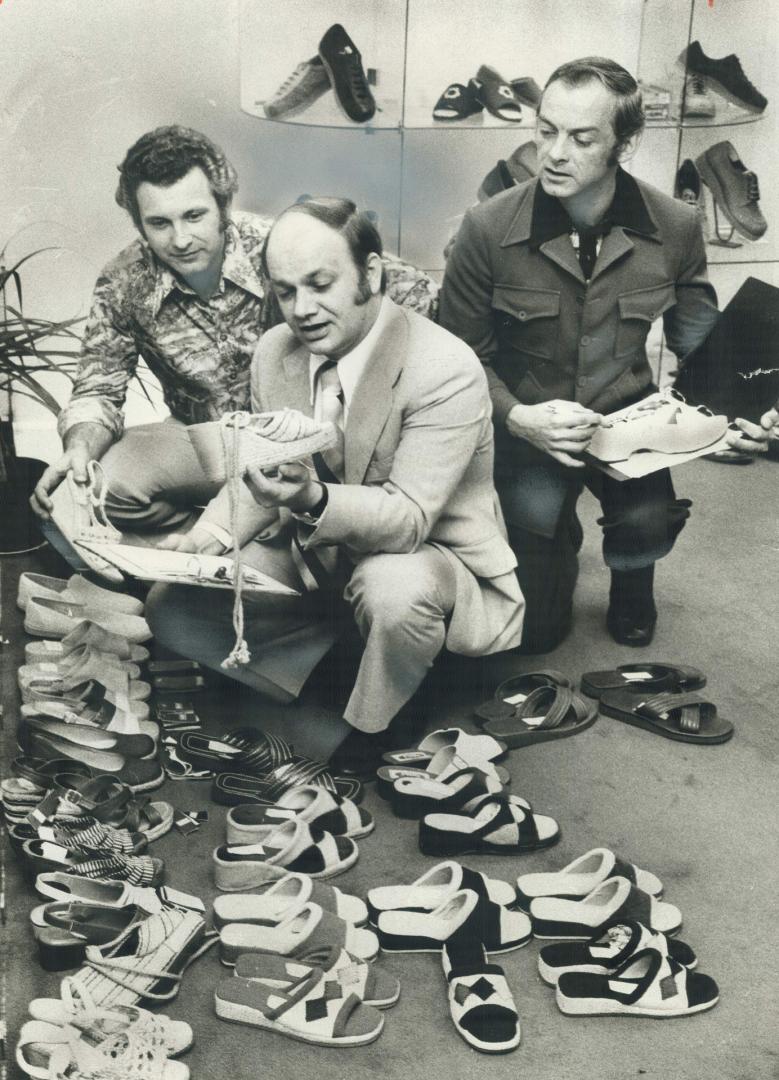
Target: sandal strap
(691, 708)
(295, 773)
(506, 815)
(555, 710)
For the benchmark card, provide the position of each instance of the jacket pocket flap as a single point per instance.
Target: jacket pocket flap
(525, 304)
(648, 304)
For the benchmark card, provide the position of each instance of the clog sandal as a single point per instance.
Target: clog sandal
(232, 789)
(480, 1001)
(434, 888)
(643, 679)
(415, 796)
(293, 846)
(685, 717)
(276, 899)
(607, 951)
(319, 808)
(49, 1052)
(548, 712)
(513, 691)
(85, 633)
(67, 929)
(311, 1010)
(371, 985)
(648, 984)
(147, 962)
(65, 887)
(465, 916)
(615, 899)
(76, 1009)
(489, 825)
(471, 748)
(580, 877)
(441, 766)
(41, 856)
(297, 936)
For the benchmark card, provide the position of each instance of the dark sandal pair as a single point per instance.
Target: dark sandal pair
(536, 707)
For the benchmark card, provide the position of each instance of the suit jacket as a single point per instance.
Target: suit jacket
(543, 332)
(418, 449)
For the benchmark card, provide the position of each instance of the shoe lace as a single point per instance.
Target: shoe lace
(291, 80)
(753, 188)
(696, 85)
(355, 75)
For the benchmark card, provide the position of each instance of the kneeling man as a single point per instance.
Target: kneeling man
(398, 529)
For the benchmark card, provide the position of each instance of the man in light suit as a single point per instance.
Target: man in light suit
(401, 522)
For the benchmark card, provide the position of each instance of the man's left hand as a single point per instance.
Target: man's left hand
(290, 485)
(754, 438)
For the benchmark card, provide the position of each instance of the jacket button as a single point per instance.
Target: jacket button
(522, 315)
(584, 340)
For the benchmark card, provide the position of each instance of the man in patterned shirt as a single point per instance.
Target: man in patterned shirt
(188, 296)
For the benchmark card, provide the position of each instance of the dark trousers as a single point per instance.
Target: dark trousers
(641, 520)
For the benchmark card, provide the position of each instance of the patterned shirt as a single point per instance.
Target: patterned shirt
(200, 350)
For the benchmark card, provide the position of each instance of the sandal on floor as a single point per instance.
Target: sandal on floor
(444, 764)
(91, 702)
(415, 796)
(465, 916)
(84, 633)
(107, 800)
(580, 877)
(293, 846)
(148, 961)
(82, 832)
(606, 952)
(471, 748)
(273, 901)
(232, 789)
(64, 887)
(319, 808)
(63, 931)
(684, 717)
(48, 1052)
(648, 984)
(139, 774)
(42, 856)
(480, 1001)
(548, 712)
(47, 686)
(643, 679)
(371, 985)
(435, 887)
(245, 750)
(311, 1010)
(512, 692)
(175, 1036)
(297, 936)
(615, 899)
(490, 825)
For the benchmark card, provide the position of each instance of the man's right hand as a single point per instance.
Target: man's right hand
(559, 428)
(73, 460)
(197, 541)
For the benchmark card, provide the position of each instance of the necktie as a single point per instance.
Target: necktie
(331, 407)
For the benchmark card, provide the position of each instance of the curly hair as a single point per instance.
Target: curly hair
(167, 154)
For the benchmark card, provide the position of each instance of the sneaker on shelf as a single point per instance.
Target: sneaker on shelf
(734, 187)
(697, 102)
(726, 73)
(302, 88)
(343, 64)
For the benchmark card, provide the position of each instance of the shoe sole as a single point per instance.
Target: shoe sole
(600, 1007)
(396, 944)
(244, 1014)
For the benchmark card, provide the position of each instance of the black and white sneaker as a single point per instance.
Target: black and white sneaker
(343, 64)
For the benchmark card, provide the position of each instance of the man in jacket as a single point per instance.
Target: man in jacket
(555, 284)
(401, 522)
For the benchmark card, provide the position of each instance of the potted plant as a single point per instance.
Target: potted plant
(30, 347)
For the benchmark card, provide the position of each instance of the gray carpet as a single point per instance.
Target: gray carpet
(702, 818)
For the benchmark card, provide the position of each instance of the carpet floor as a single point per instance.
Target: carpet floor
(702, 818)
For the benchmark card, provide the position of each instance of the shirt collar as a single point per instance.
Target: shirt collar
(236, 267)
(352, 364)
(628, 210)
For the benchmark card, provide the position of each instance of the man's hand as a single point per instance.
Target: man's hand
(754, 438)
(290, 485)
(74, 460)
(197, 541)
(559, 428)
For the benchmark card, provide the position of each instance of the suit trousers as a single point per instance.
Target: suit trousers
(400, 604)
(641, 520)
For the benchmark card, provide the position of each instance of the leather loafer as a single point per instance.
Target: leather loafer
(359, 755)
(632, 630)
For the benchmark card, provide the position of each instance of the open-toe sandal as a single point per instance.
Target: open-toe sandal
(271, 902)
(435, 887)
(298, 935)
(480, 1000)
(513, 691)
(466, 746)
(488, 825)
(293, 846)
(465, 916)
(651, 678)
(580, 877)
(685, 717)
(314, 805)
(614, 899)
(605, 952)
